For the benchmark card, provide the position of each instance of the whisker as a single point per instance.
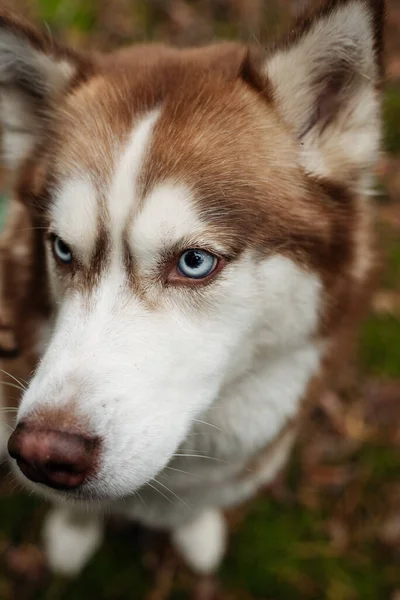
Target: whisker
(206, 423)
(8, 426)
(13, 385)
(194, 433)
(17, 487)
(163, 475)
(181, 471)
(171, 492)
(9, 475)
(201, 456)
(15, 378)
(4, 461)
(140, 497)
(160, 492)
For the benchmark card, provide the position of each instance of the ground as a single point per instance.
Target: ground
(329, 529)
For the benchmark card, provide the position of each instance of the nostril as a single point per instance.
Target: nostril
(58, 467)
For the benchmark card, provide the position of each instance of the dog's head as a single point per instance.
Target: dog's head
(194, 208)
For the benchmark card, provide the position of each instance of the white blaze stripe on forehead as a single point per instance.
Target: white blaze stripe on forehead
(74, 214)
(122, 194)
(167, 216)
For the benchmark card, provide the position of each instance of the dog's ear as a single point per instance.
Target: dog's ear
(34, 73)
(324, 80)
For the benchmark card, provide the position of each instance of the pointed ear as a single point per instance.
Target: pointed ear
(324, 79)
(34, 73)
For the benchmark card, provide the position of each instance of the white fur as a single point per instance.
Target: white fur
(44, 336)
(202, 541)
(19, 134)
(123, 192)
(260, 397)
(75, 215)
(352, 139)
(70, 539)
(167, 216)
(56, 72)
(19, 60)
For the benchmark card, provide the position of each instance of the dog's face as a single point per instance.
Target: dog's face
(197, 208)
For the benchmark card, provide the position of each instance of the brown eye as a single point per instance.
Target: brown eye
(196, 264)
(61, 250)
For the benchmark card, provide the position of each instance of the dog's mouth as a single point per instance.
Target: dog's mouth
(71, 465)
(55, 481)
(87, 494)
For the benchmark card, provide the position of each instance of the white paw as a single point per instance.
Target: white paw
(202, 542)
(70, 540)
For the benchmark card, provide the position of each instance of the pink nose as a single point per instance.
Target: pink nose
(58, 459)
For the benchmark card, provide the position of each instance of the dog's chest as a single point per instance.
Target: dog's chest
(239, 444)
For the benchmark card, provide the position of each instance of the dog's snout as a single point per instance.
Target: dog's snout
(55, 458)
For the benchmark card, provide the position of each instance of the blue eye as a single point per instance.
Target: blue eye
(196, 264)
(61, 250)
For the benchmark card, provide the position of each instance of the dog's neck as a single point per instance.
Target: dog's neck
(253, 407)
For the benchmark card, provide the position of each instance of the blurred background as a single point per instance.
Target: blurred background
(329, 527)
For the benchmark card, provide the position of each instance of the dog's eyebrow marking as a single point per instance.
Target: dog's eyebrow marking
(123, 194)
(74, 214)
(168, 215)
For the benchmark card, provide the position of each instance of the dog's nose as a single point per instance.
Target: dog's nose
(55, 458)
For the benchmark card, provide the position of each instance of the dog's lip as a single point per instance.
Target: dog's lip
(38, 477)
(90, 492)
(85, 495)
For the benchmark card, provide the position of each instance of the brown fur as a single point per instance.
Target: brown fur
(310, 221)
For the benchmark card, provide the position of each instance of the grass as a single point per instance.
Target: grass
(391, 113)
(380, 347)
(75, 14)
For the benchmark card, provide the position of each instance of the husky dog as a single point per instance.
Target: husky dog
(189, 243)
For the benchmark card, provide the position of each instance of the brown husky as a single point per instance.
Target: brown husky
(188, 244)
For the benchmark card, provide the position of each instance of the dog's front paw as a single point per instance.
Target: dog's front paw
(202, 541)
(70, 540)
